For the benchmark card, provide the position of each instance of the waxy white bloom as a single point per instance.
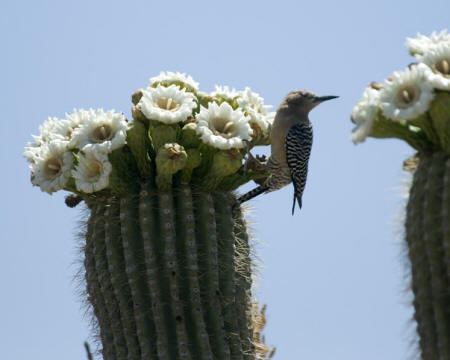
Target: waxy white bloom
(407, 94)
(64, 128)
(49, 130)
(168, 105)
(32, 150)
(225, 92)
(253, 104)
(92, 172)
(438, 60)
(421, 44)
(100, 131)
(169, 78)
(51, 166)
(222, 127)
(364, 114)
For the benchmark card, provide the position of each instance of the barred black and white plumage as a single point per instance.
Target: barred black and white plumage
(291, 142)
(298, 148)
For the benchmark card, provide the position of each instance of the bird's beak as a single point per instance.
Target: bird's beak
(325, 98)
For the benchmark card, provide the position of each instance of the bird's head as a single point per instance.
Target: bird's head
(303, 100)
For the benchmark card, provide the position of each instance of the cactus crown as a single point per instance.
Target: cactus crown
(414, 104)
(179, 135)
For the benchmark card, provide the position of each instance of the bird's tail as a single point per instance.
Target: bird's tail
(299, 200)
(252, 193)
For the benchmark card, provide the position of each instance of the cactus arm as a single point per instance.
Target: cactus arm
(104, 280)
(149, 230)
(167, 231)
(94, 288)
(206, 235)
(133, 254)
(419, 261)
(225, 239)
(243, 281)
(116, 267)
(432, 237)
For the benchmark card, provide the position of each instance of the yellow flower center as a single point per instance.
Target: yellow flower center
(224, 127)
(102, 133)
(69, 132)
(52, 168)
(255, 107)
(443, 66)
(407, 96)
(94, 170)
(167, 104)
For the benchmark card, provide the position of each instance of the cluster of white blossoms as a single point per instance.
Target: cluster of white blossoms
(77, 148)
(406, 94)
(74, 153)
(225, 122)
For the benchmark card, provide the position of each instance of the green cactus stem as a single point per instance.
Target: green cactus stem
(96, 295)
(225, 231)
(206, 233)
(119, 281)
(427, 226)
(101, 268)
(169, 274)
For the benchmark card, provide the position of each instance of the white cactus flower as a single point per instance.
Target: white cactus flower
(32, 150)
(100, 131)
(421, 44)
(48, 131)
(222, 127)
(168, 78)
(92, 172)
(438, 60)
(364, 114)
(408, 94)
(253, 104)
(225, 92)
(51, 166)
(168, 105)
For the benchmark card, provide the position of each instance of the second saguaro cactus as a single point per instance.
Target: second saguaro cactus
(414, 105)
(167, 254)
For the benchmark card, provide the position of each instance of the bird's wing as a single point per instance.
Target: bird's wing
(298, 148)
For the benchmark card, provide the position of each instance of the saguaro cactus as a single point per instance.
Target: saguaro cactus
(414, 105)
(167, 255)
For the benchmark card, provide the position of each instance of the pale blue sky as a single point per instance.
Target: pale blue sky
(333, 274)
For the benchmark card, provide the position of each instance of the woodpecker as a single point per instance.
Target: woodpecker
(291, 141)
